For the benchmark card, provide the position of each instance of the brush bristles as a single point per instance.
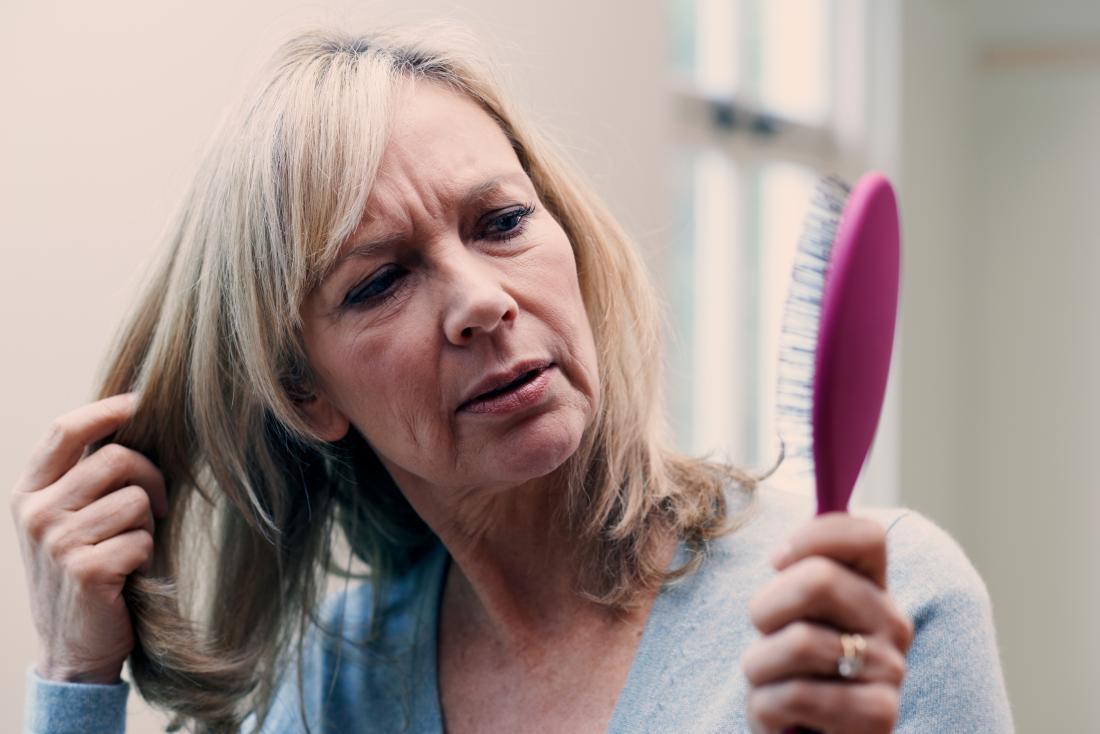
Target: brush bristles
(801, 322)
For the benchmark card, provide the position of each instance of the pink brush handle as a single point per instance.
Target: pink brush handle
(855, 338)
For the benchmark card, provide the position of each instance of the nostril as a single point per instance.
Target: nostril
(467, 332)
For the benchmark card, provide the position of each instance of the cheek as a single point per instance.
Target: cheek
(397, 376)
(561, 307)
(383, 379)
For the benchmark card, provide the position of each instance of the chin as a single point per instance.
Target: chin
(540, 448)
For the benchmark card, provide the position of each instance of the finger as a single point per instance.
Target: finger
(124, 509)
(857, 542)
(804, 649)
(830, 706)
(68, 435)
(112, 560)
(109, 468)
(821, 590)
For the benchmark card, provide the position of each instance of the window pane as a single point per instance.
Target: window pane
(794, 64)
(718, 352)
(718, 38)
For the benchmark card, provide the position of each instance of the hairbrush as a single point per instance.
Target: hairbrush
(838, 333)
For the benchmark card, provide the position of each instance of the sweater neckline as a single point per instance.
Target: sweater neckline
(647, 669)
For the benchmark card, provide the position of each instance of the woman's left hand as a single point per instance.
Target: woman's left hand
(831, 581)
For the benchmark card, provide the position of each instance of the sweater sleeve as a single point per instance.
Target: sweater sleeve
(55, 707)
(954, 680)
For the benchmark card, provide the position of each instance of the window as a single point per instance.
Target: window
(769, 95)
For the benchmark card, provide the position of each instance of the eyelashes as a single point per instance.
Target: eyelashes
(384, 283)
(520, 215)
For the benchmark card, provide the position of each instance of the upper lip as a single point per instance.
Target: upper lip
(502, 378)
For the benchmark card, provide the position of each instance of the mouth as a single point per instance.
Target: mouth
(504, 384)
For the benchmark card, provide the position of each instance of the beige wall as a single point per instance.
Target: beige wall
(1001, 351)
(105, 108)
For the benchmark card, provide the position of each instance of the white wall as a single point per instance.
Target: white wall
(1001, 348)
(105, 108)
(1039, 353)
(935, 147)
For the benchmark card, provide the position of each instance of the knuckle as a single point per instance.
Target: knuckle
(115, 458)
(821, 579)
(871, 538)
(82, 569)
(804, 642)
(908, 631)
(894, 667)
(58, 542)
(797, 696)
(871, 532)
(882, 708)
(52, 543)
(901, 628)
(35, 521)
(756, 610)
(134, 500)
(58, 435)
(763, 708)
(143, 539)
(748, 663)
(802, 698)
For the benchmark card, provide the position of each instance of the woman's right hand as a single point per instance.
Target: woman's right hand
(84, 525)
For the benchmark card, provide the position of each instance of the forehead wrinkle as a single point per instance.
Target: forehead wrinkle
(450, 194)
(380, 243)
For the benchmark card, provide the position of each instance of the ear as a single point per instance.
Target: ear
(322, 416)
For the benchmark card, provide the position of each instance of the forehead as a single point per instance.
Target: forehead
(441, 145)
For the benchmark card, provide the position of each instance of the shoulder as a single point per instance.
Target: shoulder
(935, 583)
(926, 566)
(924, 557)
(954, 680)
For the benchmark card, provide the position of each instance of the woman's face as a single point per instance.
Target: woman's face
(456, 280)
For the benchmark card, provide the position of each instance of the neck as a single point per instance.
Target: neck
(515, 566)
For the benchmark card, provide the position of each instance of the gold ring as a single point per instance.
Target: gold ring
(850, 663)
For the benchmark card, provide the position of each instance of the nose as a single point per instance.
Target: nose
(477, 303)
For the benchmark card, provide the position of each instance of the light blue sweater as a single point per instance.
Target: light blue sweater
(686, 674)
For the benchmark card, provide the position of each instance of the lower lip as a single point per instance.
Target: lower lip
(524, 396)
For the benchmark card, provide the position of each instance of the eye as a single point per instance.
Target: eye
(378, 287)
(385, 282)
(512, 223)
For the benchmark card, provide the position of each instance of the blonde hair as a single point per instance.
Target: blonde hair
(214, 349)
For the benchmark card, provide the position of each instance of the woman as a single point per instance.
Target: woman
(389, 309)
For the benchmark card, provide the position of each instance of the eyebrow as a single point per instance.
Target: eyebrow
(472, 196)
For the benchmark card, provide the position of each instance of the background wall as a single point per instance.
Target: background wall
(1001, 176)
